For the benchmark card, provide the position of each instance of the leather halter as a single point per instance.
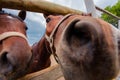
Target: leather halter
(11, 34)
(51, 37)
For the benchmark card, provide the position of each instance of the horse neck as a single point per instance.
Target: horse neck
(41, 55)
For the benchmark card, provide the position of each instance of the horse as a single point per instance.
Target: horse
(41, 56)
(86, 48)
(41, 52)
(15, 52)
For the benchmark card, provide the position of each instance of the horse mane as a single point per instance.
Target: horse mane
(12, 15)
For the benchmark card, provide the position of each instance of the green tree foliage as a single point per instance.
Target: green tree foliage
(115, 9)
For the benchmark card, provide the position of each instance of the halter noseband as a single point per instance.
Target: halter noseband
(11, 34)
(51, 37)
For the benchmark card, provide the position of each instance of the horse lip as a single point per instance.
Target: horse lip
(6, 70)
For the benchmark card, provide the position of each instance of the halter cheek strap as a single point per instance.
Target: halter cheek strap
(51, 37)
(11, 34)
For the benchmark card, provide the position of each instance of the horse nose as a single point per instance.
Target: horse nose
(5, 64)
(3, 57)
(81, 32)
(79, 37)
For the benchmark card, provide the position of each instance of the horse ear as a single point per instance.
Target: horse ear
(22, 14)
(45, 15)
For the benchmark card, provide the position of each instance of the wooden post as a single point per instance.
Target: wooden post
(41, 6)
(90, 7)
(118, 24)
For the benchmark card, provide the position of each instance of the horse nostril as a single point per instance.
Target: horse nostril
(3, 57)
(5, 64)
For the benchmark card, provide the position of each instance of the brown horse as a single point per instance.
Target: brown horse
(15, 52)
(41, 56)
(87, 48)
(41, 51)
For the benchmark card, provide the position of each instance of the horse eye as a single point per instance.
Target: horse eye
(26, 28)
(1, 42)
(48, 20)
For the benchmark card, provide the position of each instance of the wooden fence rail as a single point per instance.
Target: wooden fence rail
(107, 12)
(41, 6)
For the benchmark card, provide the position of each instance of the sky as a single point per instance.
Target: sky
(36, 22)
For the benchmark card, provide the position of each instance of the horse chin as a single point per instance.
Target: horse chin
(12, 75)
(9, 71)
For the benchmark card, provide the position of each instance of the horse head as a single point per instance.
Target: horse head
(87, 47)
(15, 52)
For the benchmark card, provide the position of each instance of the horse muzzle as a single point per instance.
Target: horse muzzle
(80, 32)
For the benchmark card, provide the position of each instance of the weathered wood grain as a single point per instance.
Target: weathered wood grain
(41, 6)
